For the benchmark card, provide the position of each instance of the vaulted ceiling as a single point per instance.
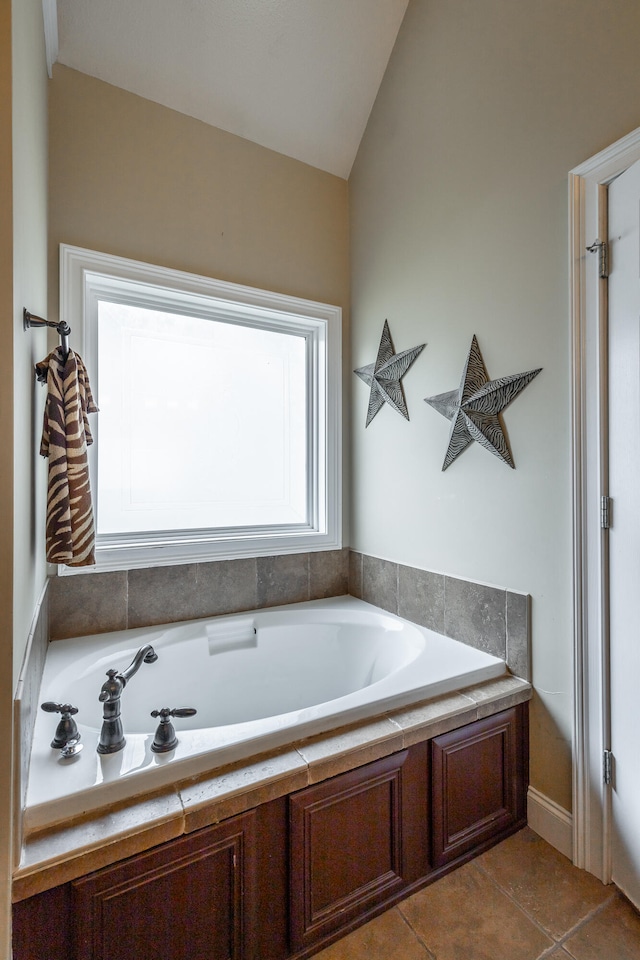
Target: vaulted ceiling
(297, 76)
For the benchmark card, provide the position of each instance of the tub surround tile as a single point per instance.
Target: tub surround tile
(226, 586)
(421, 597)
(518, 625)
(242, 787)
(335, 753)
(380, 583)
(328, 574)
(476, 615)
(488, 618)
(86, 604)
(26, 705)
(283, 579)
(355, 574)
(162, 594)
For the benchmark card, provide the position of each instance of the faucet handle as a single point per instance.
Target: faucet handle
(67, 729)
(165, 738)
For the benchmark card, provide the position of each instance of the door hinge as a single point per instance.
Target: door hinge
(601, 247)
(606, 512)
(607, 767)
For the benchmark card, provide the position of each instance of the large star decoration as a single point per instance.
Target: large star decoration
(474, 408)
(385, 374)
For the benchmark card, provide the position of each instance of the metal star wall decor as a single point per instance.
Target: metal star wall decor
(385, 374)
(474, 408)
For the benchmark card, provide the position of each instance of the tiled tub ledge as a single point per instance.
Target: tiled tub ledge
(53, 857)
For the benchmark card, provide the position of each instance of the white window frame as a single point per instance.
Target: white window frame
(84, 273)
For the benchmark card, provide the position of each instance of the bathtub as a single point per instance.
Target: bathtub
(259, 681)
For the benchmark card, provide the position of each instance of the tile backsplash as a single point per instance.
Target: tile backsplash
(489, 618)
(101, 602)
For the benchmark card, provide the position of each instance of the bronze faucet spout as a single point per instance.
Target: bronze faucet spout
(145, 654)
(112, 734)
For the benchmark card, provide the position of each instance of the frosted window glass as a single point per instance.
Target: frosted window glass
(203, 423)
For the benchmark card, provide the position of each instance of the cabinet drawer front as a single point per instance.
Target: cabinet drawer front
(346, 848)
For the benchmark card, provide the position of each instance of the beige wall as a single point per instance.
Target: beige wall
(131, 177)
(136, 179)
(459, 226)
(6, 466)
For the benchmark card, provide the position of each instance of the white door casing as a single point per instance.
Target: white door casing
(624, 536)
(589, 346)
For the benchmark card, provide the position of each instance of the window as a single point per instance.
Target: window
(218, 434)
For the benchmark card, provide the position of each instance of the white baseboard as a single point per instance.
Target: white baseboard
(550, 821)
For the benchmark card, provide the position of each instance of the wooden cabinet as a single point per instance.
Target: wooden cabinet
(345, 848)
(133, 908)
(476, 788)
(219, 893)
(285, 879)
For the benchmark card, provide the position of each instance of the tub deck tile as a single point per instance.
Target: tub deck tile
(334, 753)
(242, 787)
(509, 691)
(56, 856)
(434, 717)
(64, 853)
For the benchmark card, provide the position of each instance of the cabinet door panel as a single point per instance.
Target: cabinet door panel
(474, 787)
(346, 848)
(185, 902)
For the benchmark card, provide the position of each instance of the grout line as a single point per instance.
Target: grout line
(519, 907)
(565, 936)
(430, 955)
(126, 600)
(589, 917)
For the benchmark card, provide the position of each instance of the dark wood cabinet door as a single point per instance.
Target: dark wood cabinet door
(184, 901)
(345, 848)
(477, 784)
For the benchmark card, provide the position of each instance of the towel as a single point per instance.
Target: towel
(65, 437)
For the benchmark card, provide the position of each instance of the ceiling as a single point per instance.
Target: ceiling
(297, 76)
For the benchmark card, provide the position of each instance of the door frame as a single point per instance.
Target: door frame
(589, 452)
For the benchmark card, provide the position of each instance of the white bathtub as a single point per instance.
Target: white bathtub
(258, 681)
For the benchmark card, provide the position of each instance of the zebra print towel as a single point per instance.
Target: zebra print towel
(65, 436)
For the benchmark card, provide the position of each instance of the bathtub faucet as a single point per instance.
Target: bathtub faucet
(112, 735)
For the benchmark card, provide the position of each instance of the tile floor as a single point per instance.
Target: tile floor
(521, 900)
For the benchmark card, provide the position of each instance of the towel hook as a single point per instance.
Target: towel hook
(64, 330)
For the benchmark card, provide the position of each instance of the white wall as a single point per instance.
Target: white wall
(459, 226)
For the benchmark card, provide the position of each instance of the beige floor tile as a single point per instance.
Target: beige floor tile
(544, 882)
(388, 937)
(613, 934)
(465, 916)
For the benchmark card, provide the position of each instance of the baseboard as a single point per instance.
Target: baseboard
(550, 821)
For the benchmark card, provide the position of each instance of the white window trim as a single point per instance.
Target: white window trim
(79, 267)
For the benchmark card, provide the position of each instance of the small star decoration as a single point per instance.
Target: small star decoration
(385, 374)
(474, 408)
